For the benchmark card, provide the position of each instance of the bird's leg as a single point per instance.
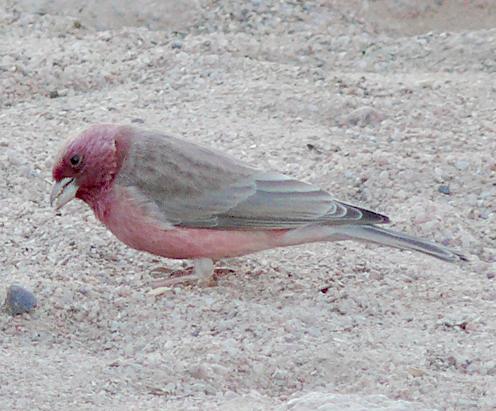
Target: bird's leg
(203, 276)
(203, 269)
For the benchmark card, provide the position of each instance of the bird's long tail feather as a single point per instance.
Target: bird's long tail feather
(395, 239)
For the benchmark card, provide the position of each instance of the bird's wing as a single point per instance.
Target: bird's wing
(190, 185)
(276, 201)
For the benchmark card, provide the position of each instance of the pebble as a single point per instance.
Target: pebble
(19, 300)
(462, 165)
(384, 175)
(363, 116)
(177, 44)
(444, 189)
(62, 92)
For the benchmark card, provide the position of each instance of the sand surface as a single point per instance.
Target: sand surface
(389, 105)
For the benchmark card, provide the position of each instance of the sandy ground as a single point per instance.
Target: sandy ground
(323, 326)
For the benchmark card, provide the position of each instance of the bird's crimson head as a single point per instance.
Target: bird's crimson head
(87, 164)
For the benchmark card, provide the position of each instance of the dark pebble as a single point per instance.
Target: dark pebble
(490, 276)
(19, 300)
(444, 189)
(138, 120)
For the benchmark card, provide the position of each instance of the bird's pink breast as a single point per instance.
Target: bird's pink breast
(131, 224)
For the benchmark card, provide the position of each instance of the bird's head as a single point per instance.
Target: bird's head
(87, 164)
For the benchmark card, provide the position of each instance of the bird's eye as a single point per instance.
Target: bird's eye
(75, 160)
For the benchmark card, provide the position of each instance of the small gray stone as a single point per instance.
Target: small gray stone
(444, 189)
(19, 300)
(177, 44)
(462, 165)
(62, 92)
(362, 117)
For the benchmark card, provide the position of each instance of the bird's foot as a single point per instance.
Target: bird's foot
(202, 275)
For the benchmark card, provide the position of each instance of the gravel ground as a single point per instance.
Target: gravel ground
(403, 124)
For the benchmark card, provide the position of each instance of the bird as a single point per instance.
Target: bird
(178, 199)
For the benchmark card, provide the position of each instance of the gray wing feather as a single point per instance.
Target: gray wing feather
(193, 186)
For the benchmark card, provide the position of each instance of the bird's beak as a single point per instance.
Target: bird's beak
(63, 191)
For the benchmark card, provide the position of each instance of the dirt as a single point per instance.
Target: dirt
(389, 105)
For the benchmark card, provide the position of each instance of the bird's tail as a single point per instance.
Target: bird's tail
(395, 239)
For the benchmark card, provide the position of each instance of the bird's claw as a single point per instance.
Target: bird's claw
(203, 276)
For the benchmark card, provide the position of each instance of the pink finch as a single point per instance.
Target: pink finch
(178, 199)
